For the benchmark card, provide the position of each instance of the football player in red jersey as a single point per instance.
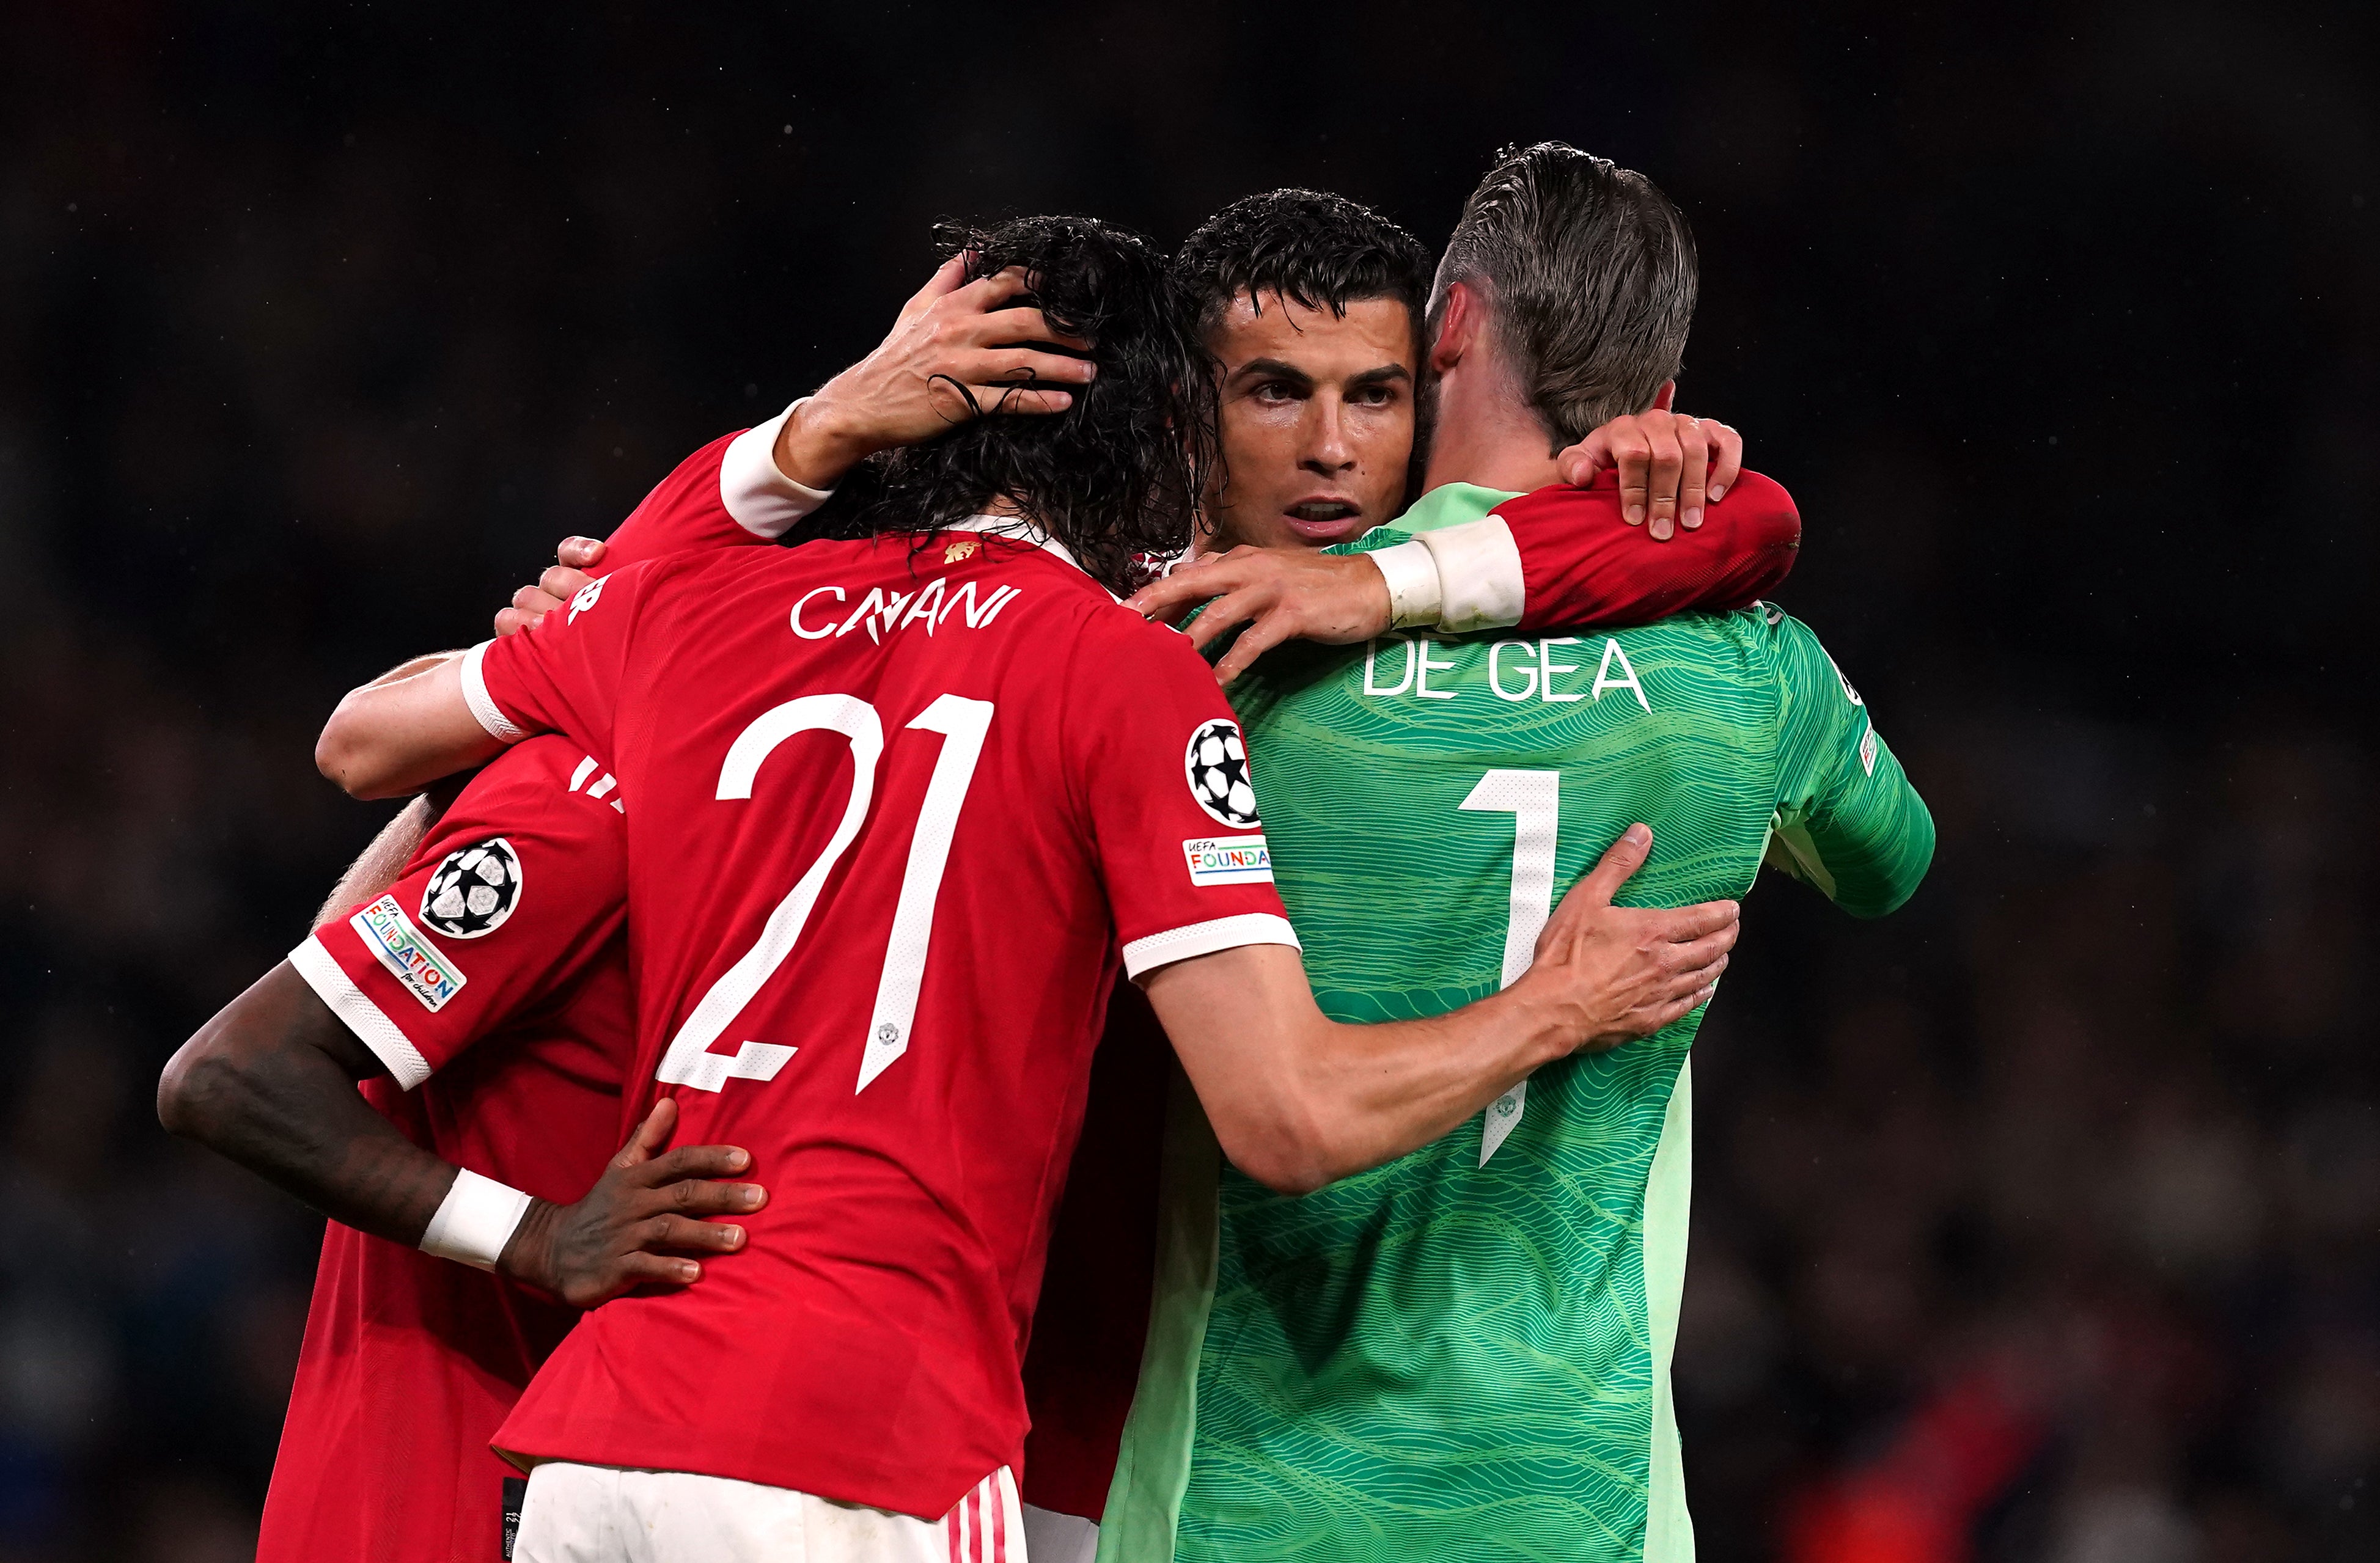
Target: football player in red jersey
(477, 956)
(1041, 758)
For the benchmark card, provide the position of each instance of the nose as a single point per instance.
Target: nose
(1329, 452)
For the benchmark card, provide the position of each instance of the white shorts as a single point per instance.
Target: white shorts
(601, 1514)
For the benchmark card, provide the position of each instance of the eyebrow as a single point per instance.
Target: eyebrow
(1277, 368)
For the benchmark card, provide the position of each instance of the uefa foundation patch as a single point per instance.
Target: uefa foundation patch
(1229, 860)
(407, 953)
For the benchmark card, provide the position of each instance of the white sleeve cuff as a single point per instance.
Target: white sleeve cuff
(373, 1029)
(1413, 592)
(483, 705)
(763, 500)
(1145, 956)
(1478, 574)
(475, 1221)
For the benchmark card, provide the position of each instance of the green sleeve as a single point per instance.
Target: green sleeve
(1848, 821)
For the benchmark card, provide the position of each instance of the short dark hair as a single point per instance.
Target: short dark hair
(1115, 476)
(1589, 275)
(1318, 249)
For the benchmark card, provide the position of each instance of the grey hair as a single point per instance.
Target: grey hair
(1589, 275)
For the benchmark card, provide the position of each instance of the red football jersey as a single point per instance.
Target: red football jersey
(409, 1362)
(503, 926)
(899, 806)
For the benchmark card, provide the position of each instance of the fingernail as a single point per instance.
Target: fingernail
(736, 1159)
(1717, 493)
(1694, 518)
(689, 1271)
(734, 1237)
(1636, 835)
(1662, 529)
(1635, 514)
(748, 1199)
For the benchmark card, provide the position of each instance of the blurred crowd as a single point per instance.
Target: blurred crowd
(2039, 1222)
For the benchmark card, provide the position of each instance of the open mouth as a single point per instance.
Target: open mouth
(1324, 518)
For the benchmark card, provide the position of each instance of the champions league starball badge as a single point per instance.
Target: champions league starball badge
(474, 890)
(1217, 764)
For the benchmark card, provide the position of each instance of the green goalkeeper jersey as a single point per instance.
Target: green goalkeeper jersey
(1464, 1354)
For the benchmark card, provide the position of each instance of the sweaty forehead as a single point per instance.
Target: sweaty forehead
(1373, 333)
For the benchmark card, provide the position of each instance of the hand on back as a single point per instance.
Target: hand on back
(1279, 593)
(1613, 973)
(635, 1226)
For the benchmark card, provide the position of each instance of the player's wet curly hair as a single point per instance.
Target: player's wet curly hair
(1115, 476)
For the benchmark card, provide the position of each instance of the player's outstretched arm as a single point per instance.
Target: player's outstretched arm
(390, 738)
(271, 1083)
(1298, 1100)
(1541, 559)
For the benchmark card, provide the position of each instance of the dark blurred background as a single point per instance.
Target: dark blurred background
(2040, 1222)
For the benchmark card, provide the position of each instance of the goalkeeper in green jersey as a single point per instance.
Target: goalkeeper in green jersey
(1464, 1354)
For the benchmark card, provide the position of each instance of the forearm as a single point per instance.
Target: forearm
(256, 1086)
(1298, 1100)
(1868, 857)
(393, 737)
(1369, 1094)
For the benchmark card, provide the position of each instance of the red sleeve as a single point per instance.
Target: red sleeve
(1160, 768)
(564, 674)
(727, 494)
(512, 893)
(683, 511)
(1581, 564)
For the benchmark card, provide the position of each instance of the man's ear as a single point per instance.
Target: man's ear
(1457, 325)
(1666, 395)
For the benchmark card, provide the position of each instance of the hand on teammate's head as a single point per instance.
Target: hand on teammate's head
(959, 350)
(1670, 465)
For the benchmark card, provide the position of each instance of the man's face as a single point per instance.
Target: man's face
(1316, 420)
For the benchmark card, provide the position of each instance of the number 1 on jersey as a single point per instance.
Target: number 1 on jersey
(1533, 800)
(961, 722)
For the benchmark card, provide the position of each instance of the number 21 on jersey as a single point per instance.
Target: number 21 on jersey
(963, 723)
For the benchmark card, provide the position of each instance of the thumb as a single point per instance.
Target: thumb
(1580, 463)
(580, 553)
(651, 1135)
(1621, 859)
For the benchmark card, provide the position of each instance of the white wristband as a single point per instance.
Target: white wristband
(1411, 571)
(475, 1221)
(1479, 575)
(763, 499)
